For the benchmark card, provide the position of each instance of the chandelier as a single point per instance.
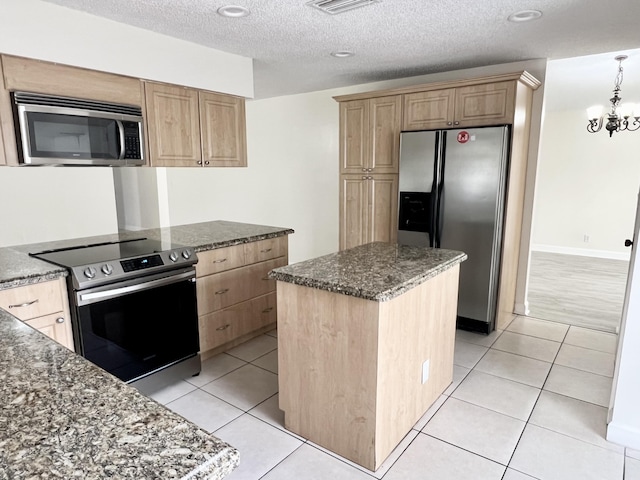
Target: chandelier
(621, 117)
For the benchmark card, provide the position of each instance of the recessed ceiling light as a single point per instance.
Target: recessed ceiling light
(342, 54)
(525, 16)
(233, 11)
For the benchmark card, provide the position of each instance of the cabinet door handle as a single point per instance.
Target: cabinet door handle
(364, 178)
(26, 304)
(267, 310)
(199, 162)
(220, 292)
(369, 169)
(449, 123)
(224, 327)
(220, 261)
(456, 123)
(364, 169)
(59, 320)
(266, 278)
(266, 250)
(206, 162)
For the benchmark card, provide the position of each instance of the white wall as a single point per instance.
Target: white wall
(36, 29)
(587, 185)
(46, 204)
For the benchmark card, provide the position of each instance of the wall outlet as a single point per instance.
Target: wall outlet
(586, 238)
(425, 371)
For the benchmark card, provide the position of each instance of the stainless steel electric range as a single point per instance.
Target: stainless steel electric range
(133, 305)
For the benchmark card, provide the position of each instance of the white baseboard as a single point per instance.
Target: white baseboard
(522, 308)
(623, 435)
(584, 252)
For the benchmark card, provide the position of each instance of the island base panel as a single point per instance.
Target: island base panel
(350, 370)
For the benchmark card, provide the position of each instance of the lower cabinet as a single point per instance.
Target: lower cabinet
(368, 209)
(236, 299)
(44, 306)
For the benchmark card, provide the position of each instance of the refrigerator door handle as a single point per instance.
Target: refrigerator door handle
(439, 201)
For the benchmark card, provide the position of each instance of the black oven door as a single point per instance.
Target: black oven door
(137, 327)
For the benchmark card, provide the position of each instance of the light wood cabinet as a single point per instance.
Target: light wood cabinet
(369, 135)
(192, 128)
(468, 106)
(44, 306)
(236, 299)
(368, 209)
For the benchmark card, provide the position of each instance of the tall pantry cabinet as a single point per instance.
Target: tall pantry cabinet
(369, 153)
(370, 126)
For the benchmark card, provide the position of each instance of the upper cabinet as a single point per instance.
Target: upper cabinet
(468, 106)
(369, 135)
(191, 128)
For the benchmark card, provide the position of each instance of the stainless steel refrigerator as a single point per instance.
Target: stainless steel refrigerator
(452, 189)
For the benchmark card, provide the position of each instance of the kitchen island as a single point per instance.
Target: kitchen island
(63, 417)
(365, 344)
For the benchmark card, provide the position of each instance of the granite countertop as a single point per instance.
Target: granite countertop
(376, 271)
(63, 417)
(18, 268)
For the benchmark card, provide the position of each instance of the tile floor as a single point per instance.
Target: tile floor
(526, 403)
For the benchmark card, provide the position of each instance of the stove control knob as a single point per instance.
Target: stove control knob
(173, 256)
(90, 272)
(186, 254)
(107, 269)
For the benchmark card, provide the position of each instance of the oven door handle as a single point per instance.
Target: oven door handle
(87, 298)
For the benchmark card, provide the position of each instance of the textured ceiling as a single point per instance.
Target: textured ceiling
(290, 41)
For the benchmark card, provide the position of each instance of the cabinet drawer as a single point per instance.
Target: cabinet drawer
(219, 260)
(224, 289)
(225, 325)
(56, 326)
(33, 300)
(265, 249)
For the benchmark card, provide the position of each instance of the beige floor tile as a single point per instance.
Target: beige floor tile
(630, 452)
(254, 348)
(164, 390)
(269, 411)
(268, 361)
(574, 418)
(478, 338)
(539, 328)
(548, 455)
(511, 474)
(587, 360)
(430, 413)
(514, 367)
(273, 333)
(587, 338)
(579, 384)
(245, 387)
(428, 458)
(476, 429)
(261, 446)
(386, 465)
(459, 373)
(631, 469)
(467, 354)
(310, 463)
(208, 412)
(498, 394)
(215, 367)
(527, 346)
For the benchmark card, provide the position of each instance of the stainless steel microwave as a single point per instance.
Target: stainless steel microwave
(69, 131)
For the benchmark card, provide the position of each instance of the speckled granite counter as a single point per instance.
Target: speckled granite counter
(376, 271)
(18, 268)
(62, 417)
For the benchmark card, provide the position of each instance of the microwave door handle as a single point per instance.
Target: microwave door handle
(121, 135)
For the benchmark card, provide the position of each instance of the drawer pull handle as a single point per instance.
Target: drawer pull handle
(267, 310)
(59, 320)
(26, 304)
(224, 327)
(220, 292)
(266, 250)
(220, 261)
(266, 278)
